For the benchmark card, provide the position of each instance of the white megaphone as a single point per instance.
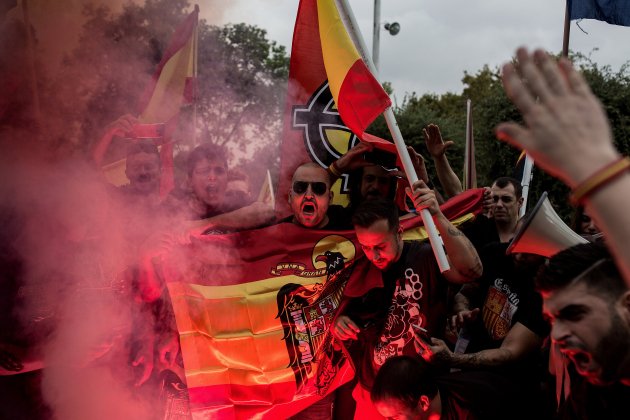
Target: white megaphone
(543, 232)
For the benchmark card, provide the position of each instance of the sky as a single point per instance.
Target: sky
(440, 39)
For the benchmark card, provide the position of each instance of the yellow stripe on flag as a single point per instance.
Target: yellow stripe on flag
(168, 96)
(242, 348)
(338, 49)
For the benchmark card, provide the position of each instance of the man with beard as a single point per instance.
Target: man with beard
(386, 320)
(310, 197)
(588, 304)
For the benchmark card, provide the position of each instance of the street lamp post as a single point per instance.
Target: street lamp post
(392, 28)
(376, 40)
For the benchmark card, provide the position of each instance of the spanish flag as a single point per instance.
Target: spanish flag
(254, 309)
(359, 96)
(331, 98)
(171, 87)
(173, 81)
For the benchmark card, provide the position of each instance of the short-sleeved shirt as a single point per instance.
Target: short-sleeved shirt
(506, 296)
(413, 293)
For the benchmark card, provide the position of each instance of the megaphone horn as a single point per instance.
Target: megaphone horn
(543, 232)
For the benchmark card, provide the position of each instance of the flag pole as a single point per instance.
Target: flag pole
(355, 34)
(567, 30)
(528, 167)
(470, 172)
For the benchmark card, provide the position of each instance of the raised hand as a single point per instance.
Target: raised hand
(435, 144)
(566, 130)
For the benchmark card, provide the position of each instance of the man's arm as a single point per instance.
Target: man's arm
(568, 135)
(518, 343)
(255, 215)
(462, 308)
(437, 149)
(119, 127)
(462, 256)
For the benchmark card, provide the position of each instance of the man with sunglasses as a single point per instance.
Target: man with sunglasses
(309, 199)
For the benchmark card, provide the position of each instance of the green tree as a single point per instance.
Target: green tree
(490, 107)
(241, 78)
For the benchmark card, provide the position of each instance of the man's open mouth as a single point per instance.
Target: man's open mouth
(582, 360)
(308, 209)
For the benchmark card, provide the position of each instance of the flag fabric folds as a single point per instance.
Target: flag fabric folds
(360, 98)
(331, 97)
(254, 309)
(172, 85)
(615, 12)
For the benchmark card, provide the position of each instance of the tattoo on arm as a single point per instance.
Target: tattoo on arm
(484, 358)
(454, 231)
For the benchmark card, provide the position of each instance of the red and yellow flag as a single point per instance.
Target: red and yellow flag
(360, 98)
(254, 311)
(332, 97)
(173, 81)
(171, 87)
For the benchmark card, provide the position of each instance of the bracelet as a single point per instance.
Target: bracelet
(600, 178)
(333, 170)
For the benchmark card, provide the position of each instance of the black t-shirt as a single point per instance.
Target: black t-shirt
(413, 293)
(481, 231)
(506, 295)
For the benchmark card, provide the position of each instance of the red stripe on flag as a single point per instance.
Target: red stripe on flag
(244, 401)
(190, 90)
(180, 37)
(361, 98)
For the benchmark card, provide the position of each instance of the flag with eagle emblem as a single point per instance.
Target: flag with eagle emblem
(253, 311)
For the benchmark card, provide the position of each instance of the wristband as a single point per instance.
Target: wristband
(333, 170)
(600, 178)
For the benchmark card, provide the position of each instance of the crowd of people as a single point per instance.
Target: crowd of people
(498, 335)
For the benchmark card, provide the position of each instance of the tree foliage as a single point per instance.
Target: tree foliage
(241, 77)
(242, 80)
(490, 107)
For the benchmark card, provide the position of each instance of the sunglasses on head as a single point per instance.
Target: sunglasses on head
(318, 188)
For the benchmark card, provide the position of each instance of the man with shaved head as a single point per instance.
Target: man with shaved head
(310, 196)
(309, 199)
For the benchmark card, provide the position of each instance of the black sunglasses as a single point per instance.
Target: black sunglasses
(318, 188)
